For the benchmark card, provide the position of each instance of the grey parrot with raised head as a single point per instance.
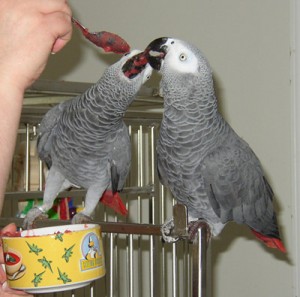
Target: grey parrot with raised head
(85, 142)
(206, 165)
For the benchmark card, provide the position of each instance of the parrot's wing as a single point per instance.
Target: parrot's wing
(120, 158)
(47, 131)
(237, 188)
(161, 173)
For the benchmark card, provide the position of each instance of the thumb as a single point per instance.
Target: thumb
(10, 228)
(62, 27)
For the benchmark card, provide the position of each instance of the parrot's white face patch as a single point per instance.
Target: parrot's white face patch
(180, 58)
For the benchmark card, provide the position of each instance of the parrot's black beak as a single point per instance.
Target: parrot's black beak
(153, 54)
(157, 50)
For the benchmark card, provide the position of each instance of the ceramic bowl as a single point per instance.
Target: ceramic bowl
(54, 259)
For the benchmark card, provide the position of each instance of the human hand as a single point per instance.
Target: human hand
(29, 31)
(5, 291)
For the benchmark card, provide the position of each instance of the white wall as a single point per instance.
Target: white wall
(248, 45)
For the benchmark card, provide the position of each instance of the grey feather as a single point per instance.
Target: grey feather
(85, 141)
(206, 165)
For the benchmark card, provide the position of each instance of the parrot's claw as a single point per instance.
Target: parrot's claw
(170, 235)
(81, 218)
(166, 231)
(36, 213)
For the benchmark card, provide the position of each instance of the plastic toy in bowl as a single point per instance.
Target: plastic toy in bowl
(54, 259)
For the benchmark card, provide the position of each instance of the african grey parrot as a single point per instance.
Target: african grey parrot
(206, 165)
(85, 142)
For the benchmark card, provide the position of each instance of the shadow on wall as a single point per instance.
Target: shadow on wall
(233, 232)
(65, 61)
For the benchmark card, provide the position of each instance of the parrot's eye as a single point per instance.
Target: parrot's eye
(182, 57)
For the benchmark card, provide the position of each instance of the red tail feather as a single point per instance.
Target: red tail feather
(114, 201)
(270, 242)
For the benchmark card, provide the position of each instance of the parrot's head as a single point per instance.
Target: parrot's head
(170, 55)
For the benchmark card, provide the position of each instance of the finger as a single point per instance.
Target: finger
(2, 275)
(61, 27)
(58, 45)
(10, 228)
(50, 6)
(11, 292)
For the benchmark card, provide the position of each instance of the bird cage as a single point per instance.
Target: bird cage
(138, 262)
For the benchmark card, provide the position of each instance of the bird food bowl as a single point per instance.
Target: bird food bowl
(54, 259)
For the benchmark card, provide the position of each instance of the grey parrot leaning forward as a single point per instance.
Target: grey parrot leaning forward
(206, 165)
(85, 142)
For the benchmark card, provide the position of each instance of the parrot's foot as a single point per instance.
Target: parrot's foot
(36, 213)
(166, 231)
(81, 218)
(194, 227)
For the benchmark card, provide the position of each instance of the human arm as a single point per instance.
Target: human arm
(29, 31)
